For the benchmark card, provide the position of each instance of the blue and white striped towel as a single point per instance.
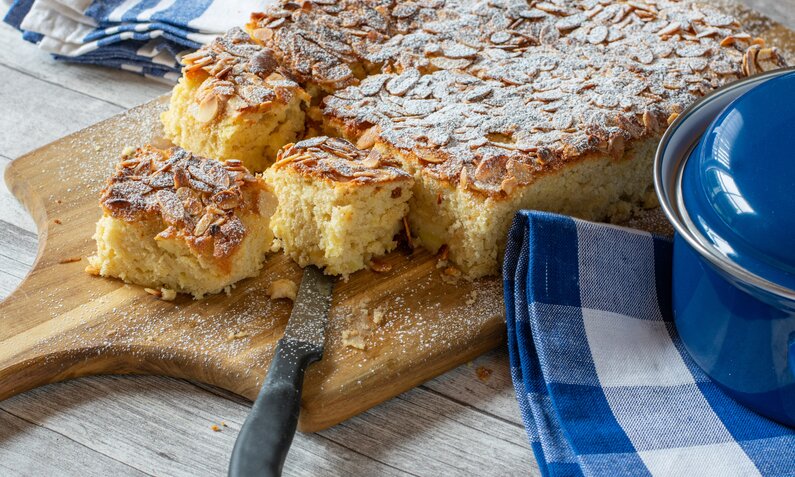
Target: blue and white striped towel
(603, 382)
(145, 36)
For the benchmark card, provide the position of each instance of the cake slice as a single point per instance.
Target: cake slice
(181, 222)
(232, 103)
(339, 206)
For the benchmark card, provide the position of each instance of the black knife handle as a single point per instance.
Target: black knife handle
(265, 437)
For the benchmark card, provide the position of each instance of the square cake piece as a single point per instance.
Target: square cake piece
(339, 206)
(182, 222)
(232, 103)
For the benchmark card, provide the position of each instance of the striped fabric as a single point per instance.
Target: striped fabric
(603, 382)
(144, 36)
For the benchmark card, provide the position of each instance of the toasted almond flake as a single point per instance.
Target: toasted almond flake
(672, 118)
(153, 292)
(262, 34)
(368, 138)
(407, 229)
(207, 109)
(509, 185)
(373, 160)
(672, 28)
(598, 35)
(69, 260)
(203, 224)
(650, 122)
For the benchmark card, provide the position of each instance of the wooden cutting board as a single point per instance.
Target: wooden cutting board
(62, 323)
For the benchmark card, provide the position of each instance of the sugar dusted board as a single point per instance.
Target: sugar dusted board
(62, 323)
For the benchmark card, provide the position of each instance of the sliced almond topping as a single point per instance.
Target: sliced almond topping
(203, 224)
(670, 29)
(672, 118)
(208, 109)
(615, 147)
(464, 177)
(650, 121)
(262, 34)
(509, 185)
(373, 160)
(367, 140)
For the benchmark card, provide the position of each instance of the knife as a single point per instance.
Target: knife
(265, 437)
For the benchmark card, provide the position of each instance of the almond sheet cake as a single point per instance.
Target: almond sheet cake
(500, 105)
(491, 106)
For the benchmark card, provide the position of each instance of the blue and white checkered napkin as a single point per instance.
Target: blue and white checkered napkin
(144, 36)
(603, 382)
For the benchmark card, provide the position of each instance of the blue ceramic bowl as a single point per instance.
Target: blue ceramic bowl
(725, 177)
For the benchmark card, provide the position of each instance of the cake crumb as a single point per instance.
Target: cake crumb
(450, 275)
(57, 221)
(215, 428)
(378, 315)
(238, 335)
(472, 297)
(167, 294)
(352, 339)
(379, 266)
(127, 151)
(283, 288)
(483, 373)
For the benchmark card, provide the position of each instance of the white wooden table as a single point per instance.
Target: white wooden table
(457, 424)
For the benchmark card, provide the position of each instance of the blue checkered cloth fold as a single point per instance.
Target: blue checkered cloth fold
(604, 384)
(144, 36)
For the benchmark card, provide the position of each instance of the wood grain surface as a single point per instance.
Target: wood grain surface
(62, 323)
(160, 426)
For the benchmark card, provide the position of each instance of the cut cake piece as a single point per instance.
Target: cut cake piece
(339, 206)
(177, 221)
(232, 103)
(499, 106)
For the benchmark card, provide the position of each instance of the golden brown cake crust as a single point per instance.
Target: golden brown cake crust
(489, 95)
(237, 74)
(198, 199)
(338, 160)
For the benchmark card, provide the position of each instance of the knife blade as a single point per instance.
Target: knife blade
(266, 435)
(310, 311)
